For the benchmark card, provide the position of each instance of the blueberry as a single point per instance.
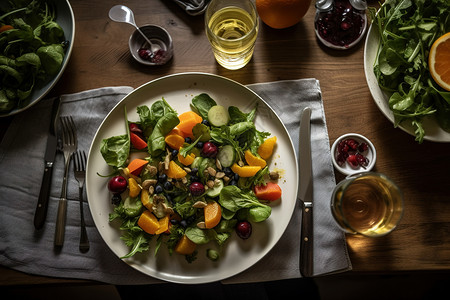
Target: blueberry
(183, 223)
(168, 186)
(227, 171)
(174, 222)
(232, 182)
(199, 145)
(162, 177)
(116, 198)
(188, 140)
(206, 122)
(158, 189)
(194, 171)
(236, 177)
(194, 178)
(174, 153)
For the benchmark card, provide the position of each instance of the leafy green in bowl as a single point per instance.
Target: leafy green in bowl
(34, 52)
(396, 63)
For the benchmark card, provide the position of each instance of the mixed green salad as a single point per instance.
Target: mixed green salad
(32, 49)
(190, 179)
(407, 30)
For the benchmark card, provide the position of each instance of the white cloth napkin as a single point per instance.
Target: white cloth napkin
(193, 7)
(22, 161)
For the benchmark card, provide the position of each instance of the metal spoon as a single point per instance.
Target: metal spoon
(121, 13)
(359, 4)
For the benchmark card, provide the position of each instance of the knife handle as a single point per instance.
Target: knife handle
(60, 222)
(44, 194)
(306, 242)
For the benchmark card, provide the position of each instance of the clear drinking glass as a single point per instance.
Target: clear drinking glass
(367, 203)
(232, 27)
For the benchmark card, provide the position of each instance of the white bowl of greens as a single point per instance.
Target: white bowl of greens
(395, 64)
(47, 33)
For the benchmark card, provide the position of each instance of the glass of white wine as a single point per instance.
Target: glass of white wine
(368, 203)
(232, 27)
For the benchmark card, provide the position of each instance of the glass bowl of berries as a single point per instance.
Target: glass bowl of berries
(158, 53)
(353, 153)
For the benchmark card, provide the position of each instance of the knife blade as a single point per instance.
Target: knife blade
(306, 195)
(49, 158)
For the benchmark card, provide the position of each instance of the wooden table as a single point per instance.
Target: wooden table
(420, 243)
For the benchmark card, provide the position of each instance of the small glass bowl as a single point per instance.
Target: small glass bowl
(334, 46)
(160, 39)
(370, 154)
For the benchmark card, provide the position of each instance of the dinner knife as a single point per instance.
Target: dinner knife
(49, 158)
(306, 195)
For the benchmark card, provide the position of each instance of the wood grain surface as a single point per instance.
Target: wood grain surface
(422, 240)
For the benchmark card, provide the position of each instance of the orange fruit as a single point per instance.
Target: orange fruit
(439, 61)
(282, 13)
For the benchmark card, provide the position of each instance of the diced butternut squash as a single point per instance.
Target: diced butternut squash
(265, 150)
(271, 191)
(134, 187)
(213, 214)
(188, 160)
(146, 199)
(245, 171)
(175, 171)
(137, 141)
(163, 225)
(185, 246)
(148, 222)
(187, 121)
(136, 165)
(174, 141)
(253, 160)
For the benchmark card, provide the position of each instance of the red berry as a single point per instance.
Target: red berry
(363, 147)
(135, 128)
(362, 160)
(209, 150)
(244, 229)
(352, 144)
(196, 188)
(353, 161)
(117, 184)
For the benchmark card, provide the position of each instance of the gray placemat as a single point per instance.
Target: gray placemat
(22, 161)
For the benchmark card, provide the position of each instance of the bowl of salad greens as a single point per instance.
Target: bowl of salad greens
(36, 39)
(200, 208)
(396, 66)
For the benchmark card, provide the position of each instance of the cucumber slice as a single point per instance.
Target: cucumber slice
(226, 156)
(215, 191)
(218, 116)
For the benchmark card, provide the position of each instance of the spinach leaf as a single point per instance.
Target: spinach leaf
(237, 116)
(202, 103)
(115, 150)
(197, 235)
(233, 199)
(156, 142)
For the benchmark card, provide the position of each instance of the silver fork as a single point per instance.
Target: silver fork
(69, 140)
(80, 175)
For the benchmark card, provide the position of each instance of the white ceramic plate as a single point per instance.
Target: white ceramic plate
(238, 254)
(433, 132)
(65, 19)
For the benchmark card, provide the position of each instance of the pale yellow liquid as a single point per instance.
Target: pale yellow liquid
(370, 205)
(232, 36)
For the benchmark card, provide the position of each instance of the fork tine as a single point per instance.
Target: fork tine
(83, 160)
(64, 129)
(72, 131)
(76, 161)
